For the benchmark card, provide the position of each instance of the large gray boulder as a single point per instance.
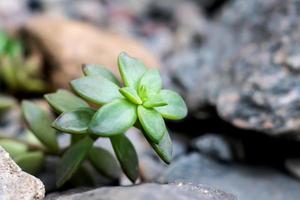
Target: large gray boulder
(248, 67)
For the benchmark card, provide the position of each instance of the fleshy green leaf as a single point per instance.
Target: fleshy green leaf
(131, 70)
(152, 122)
(14, 148)
(30, 162)
(126, 155)
(76, 122)
(6, 102)
(176, 108)
(113, 118)
(32, 139)
(72, 159)
(99, 70)
(154, 101)
(131, 95)
(163, 148)
(63, 101)
(96, 89)
(150, 84)
(40, 124)
(104, 162)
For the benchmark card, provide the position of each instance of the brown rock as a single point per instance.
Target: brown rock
(16, 184)
(67, 45)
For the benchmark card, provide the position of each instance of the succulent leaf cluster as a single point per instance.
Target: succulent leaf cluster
(140, 101)
(103, 107)
(18, 73)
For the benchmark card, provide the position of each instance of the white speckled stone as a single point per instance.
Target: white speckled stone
(16, 184)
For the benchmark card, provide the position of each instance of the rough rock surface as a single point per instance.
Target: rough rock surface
(214, 145)
(246, 182)
(16, 184)
(248, 66)
(69, 44)
(149, 191)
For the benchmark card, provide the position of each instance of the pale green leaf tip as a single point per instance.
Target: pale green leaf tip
(134, 98)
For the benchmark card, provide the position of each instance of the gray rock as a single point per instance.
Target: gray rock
(16, 184)
(248, 68)
(149, 191)
(246, 182)
(214, 145)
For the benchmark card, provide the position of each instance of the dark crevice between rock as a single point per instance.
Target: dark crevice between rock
(212, 7)
(250, 147)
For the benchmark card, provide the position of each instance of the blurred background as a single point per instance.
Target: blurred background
(235, 62)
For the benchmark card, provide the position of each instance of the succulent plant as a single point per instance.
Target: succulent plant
(105, 108)
(18, 73)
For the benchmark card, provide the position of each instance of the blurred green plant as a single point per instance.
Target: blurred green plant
(28, 153)
(18, 73)
(139, 103)
(6, 102)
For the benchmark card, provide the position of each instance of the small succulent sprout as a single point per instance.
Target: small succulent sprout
(143, 102)
(139, 101)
